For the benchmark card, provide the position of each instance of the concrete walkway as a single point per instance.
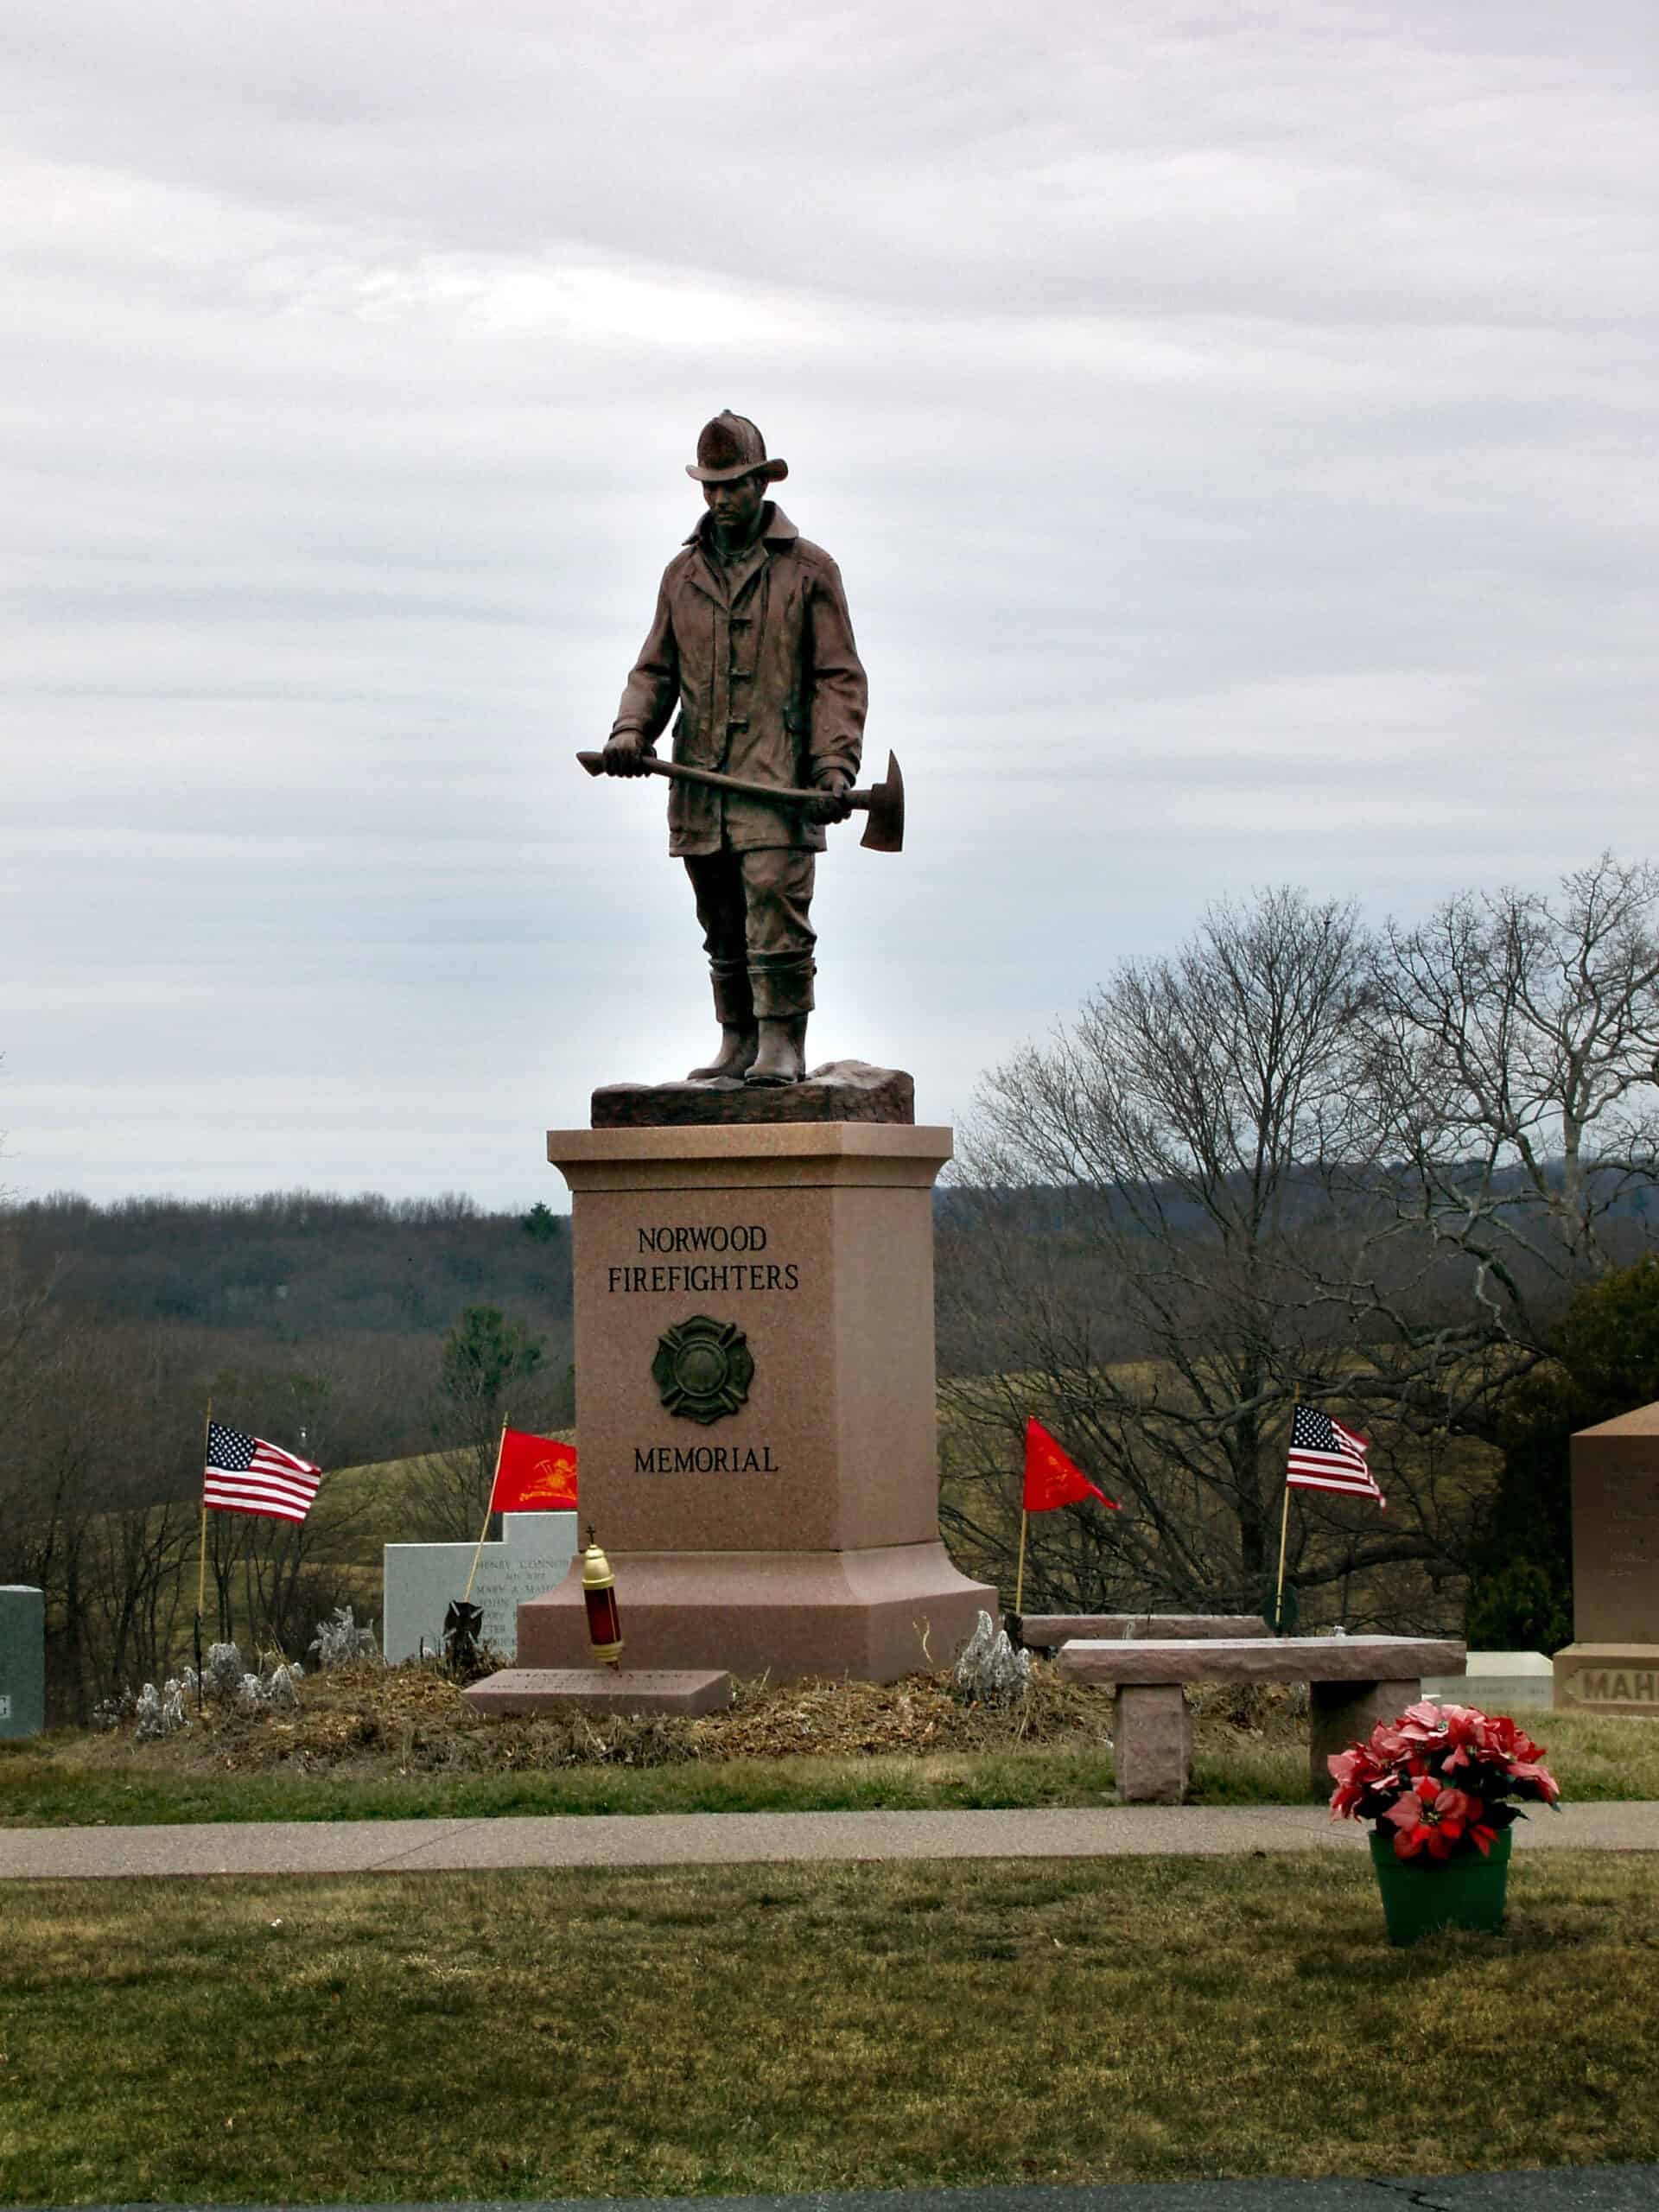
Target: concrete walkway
(734, 1839)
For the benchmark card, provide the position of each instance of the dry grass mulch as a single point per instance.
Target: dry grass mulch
(366, 1720)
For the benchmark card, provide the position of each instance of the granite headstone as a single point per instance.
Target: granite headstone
(423, 1581)
(1612, 1663)
(22, 1659)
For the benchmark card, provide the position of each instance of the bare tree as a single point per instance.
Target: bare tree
(1170, 1226)
(1515, 1044)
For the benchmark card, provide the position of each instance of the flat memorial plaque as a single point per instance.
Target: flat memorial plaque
(602, 1689)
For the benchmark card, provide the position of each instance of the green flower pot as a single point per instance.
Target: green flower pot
(1421, 1894)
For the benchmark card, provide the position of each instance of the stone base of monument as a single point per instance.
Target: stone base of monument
(901, 1609)
(1611, 1678)
(606, 1690)
(755, 1383)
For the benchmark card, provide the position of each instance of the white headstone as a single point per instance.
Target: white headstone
(424, 1580)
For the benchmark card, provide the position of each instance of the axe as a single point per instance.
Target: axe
(884, 802)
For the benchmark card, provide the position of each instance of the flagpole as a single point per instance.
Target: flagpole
(201, 1564)
(500, 1446)
(1284, 1536)
(1020, 1578)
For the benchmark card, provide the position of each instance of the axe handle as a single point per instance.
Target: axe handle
(860, 801)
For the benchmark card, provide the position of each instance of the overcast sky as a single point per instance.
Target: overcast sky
(1234, 424)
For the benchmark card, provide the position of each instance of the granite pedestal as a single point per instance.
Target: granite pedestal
(1612, 1663)
(755, 1385)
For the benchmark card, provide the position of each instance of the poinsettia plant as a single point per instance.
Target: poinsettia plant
(1440, 1777)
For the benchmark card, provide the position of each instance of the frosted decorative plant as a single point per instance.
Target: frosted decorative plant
(270, 1692)
(339, 1640)
(160, 1713)
(224, 1669)
(989, 1668)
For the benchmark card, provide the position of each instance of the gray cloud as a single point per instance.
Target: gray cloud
(1231, 426)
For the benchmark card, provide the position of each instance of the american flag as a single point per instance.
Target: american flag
(1324, 1455)
(246, 1475)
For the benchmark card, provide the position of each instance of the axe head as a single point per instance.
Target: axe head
(885, 830)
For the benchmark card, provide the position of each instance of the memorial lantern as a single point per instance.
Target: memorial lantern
(599, 1596)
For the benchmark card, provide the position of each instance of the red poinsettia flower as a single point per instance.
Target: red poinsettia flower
(1389, 1742)
(1423, 1722)
(1464, 1739)
(1413, 1771)
(1510, 1742)
(1433, 1818)
(1354, 1771)
(1539, 1776)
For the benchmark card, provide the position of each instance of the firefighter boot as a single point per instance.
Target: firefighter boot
(782, 1055)
(731, 1063)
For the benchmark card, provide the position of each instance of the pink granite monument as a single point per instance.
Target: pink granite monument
(755, 1387)
(1612, 1663)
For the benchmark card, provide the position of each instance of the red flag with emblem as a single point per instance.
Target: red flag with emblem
(1052, 1479)
(534, 1474)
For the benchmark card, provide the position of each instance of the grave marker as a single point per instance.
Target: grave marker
(1612, 1663)
(424, 1580)
(22, 1659)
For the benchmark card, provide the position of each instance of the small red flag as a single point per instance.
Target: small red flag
(1052, 1479)
(534, 1474)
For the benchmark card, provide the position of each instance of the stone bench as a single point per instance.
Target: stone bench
(1048, 1631)
(1353, 1683)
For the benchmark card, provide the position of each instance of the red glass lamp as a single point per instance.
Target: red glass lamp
(599, 1596)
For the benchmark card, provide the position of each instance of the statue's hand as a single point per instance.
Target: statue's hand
(830, 805)
(624, 755)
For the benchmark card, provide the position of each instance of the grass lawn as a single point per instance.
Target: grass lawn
(390, 1745)
(748, 2028)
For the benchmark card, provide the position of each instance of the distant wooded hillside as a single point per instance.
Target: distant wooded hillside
(293, 1265)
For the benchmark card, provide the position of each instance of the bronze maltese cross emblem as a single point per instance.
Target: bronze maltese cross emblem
(704, 1368)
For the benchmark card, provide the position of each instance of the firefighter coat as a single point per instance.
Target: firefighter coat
(759, 661)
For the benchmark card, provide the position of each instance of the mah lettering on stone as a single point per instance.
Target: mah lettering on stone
(1612, 1686)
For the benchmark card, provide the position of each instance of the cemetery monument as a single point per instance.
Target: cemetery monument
(1612, 1663)
(753, 1245)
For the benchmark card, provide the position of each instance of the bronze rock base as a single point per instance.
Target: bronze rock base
(840, 1091)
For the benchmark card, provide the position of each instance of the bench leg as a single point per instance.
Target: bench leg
(1152, 1743)
(1340, 1713)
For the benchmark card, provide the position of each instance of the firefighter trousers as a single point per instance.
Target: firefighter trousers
(754, 906)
